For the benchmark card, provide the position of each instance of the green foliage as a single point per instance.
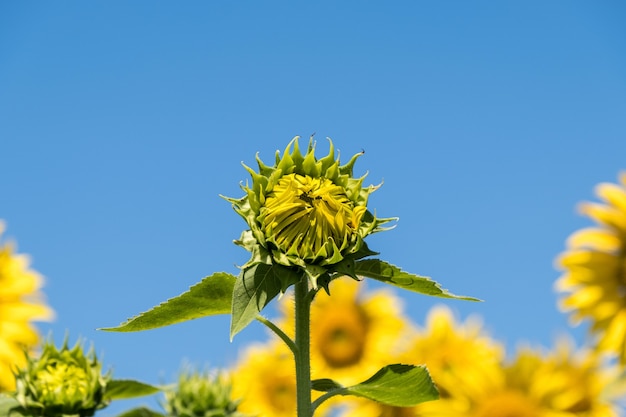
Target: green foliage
(211, 296)
(66, 381)
(119, 389)
(61, 382)
(141, 412)
(10, 407)
(391, 274)
(396, 385)
(201, 394)
(256, 287)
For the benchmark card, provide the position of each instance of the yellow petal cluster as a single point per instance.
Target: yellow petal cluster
(311, 218)
(20, 304)
(55, 377)
(594, 278)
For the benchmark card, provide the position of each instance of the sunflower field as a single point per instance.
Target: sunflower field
(339, 346)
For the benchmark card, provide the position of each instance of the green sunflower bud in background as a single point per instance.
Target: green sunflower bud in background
(201, 394)
(62, 382)
(306, 213)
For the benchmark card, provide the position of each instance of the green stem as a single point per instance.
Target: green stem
(329, 394)
(302, 354)
(278, 332)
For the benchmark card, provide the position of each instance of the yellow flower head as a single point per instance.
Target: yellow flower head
(352, 337)
(62, 382)
(448, 347)
(20, 304)
(594, 279)
(561, 384)
(265, 382)
(306, 212)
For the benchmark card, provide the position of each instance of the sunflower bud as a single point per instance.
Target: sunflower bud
(62, 382)
(306, 212)
(201, 395)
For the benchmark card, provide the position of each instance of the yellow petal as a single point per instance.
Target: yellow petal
(606, 215)
(584, 297)
(622, 178)
(606, 309)
(612, 194)
(615, 333)
(593, 238)
(588, 259)
(26, 311)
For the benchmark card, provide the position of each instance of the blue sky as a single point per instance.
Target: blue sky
(121, 122)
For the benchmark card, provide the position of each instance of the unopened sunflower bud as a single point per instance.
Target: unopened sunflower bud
(201, 395)
(306, 212)
(65, 382)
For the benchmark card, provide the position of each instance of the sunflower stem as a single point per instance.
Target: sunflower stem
(302, 354)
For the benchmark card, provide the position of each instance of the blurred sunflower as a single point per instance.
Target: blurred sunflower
(474, 380)
(595, 270)
(561, 384)
(20, 304)
(264, 381)
(352, 337)
(447, 348)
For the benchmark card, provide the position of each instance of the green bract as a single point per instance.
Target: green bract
(62, 382)
(306, 213)
(201, 395)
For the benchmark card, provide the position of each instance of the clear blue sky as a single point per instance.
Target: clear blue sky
(121, 122)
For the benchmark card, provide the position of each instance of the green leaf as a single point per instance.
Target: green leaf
(209, 297)
(141, 412)
(256, 286)
(325, 385)
(363, 252)
(345, 267)
(10, 407)
(391, 274)
(395, 385)
(118, 389)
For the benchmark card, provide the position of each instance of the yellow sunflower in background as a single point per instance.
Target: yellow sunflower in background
(20, 304)
(352, 337)
(264, 380)
(595, 270)
(561, 384)
(447, 348)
